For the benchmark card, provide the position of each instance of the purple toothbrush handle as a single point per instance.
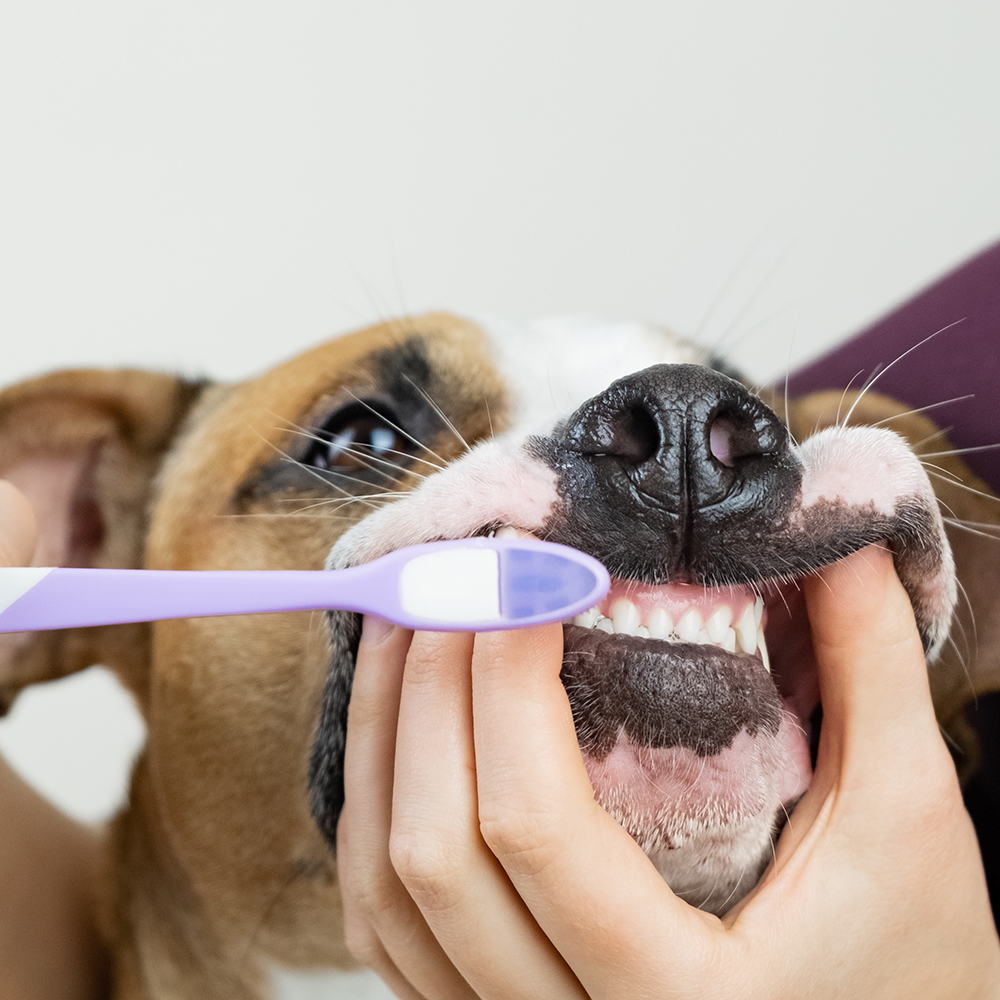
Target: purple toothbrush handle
(538, 582)
(70, 598)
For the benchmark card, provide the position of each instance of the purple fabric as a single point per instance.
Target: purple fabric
(961, 360)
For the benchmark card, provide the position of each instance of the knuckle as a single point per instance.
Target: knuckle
(431, 866)
(361, 940)
(525, 840)
(370, 889)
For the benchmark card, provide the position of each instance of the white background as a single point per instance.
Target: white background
(210, 187)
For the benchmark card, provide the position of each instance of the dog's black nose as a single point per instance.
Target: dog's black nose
(693, 466)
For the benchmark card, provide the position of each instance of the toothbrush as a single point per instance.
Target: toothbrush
(471, 585)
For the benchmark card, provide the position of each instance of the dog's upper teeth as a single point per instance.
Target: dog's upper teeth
(689, 625)
(746, 630)
(719, 622)
(763, 649)
(745, 635)
(625, 615)
(660, 624)
(728, 642)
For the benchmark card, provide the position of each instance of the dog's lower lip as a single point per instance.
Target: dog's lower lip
(688, 650)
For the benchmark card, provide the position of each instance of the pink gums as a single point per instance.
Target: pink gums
(677, 598)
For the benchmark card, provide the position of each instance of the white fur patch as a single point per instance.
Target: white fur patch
(552, 366)
(862, 465)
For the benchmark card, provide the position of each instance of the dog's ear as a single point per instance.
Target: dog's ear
(84, 447)
(970, 664)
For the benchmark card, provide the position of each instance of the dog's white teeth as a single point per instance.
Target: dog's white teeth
(719, 622)
(625, 616)
(659, 624)
(746, 630)
(763, 650)
(729, 641)
(743, 636)
(689, 625)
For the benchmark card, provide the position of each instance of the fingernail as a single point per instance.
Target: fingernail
(375, 629)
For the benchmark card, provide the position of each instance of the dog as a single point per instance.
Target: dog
(692, 684)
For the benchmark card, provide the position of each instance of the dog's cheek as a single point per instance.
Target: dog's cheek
(326, 767)
(864, 485)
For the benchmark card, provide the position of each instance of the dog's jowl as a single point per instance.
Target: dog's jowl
(692, 684)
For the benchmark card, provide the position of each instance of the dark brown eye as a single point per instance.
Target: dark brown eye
(357, 437)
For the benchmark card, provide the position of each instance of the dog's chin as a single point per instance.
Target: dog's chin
(697, 749)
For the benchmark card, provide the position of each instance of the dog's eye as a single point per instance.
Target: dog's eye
(358, 436)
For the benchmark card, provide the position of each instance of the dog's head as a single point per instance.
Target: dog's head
(692, 684)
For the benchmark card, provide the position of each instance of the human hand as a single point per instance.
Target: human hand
(474, 860)
(48, 937)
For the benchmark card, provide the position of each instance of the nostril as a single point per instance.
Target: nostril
(733, 436)
(720, 441)
(635, 436)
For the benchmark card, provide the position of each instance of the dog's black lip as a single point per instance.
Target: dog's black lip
(664, 694)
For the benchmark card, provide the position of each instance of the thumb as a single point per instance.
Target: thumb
(18, 529)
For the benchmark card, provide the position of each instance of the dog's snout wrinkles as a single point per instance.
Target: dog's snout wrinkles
(690, 459)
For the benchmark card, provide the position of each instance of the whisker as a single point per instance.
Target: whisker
(315, 473)
(366, 459)
(961, 526)
(721, 294)
(333, 505)
(847, 388)
(880, 373)
(748, 305)
(310, 435)
(395, 427)
(957, 482)
(437, 409)
(788, 365)
(960, 451)
(489, 417)
(924, 409)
